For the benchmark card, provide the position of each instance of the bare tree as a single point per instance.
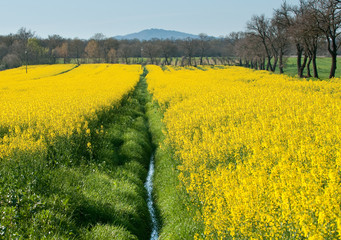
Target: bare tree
(124, 51)
(168, 49)
(251, 51)
(54, 41)
(189, 48)
(281, 37)
(312, 37)
(91, 50)
(260, 27)
(22, 37)
(293, 19)
(203, 45)
(235, 39)
(151, 50)
(76, 48)
(99, 38)
(63, 51)
(110, 44)
(112, 56)
(328, 16)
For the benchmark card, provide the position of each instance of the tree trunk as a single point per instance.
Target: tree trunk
(195, 62)
(314, 56)
(332, 49)
(262, 64)
(333, 67)
(269, 65)
(308, 67)
(299, 58)
(275, 64)
(300, 73)
(316, 75)
(183, 61)
(281, 66)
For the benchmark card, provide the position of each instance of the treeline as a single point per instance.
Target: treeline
(309, 29)
(24, 47)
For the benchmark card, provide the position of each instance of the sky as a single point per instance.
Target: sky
(83, 18)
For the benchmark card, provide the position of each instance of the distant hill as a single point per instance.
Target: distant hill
(149, 34)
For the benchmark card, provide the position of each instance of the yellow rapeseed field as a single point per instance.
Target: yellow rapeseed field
(52, 101)
(259, 153)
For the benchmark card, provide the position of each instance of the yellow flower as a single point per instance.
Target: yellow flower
(45, 103)
(259, 153)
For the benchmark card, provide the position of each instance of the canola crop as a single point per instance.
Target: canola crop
(57, 100)
(259, 153)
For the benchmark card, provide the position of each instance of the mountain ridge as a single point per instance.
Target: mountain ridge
(156, 33)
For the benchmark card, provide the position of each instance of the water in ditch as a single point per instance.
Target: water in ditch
(149, 186)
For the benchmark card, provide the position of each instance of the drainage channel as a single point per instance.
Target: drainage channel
(149, 186)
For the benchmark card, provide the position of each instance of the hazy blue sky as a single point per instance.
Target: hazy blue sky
(76, 18)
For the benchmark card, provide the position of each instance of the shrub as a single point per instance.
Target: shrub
(11, 61)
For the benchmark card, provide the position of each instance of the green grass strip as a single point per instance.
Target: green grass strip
(175, 211)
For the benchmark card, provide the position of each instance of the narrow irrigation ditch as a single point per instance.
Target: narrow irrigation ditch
(145, 100)
(150, 200)
(150, 177)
